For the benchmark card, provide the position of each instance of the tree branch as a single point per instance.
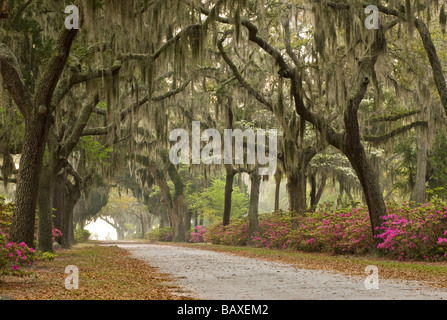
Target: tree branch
(53, 71)
(257, 95)
(13, 80)
(67, 84)
(79, 127)
(394, 117)
(395, 132)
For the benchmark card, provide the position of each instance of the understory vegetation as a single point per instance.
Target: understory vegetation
(408, 232)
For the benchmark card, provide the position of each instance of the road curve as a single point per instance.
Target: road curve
(210, 275)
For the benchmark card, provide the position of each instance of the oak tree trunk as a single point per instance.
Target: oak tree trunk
(296, 187)
(24, 218)
(418, 194)
(253, 221)
(44, 237)
(230, 173)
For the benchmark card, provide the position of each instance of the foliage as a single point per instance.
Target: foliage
(438, 165)
(81, 235)
(210, 201)
(197, 235)
(95, 151)
(406, 233)
(235, 234)
(14, 258)
(415, 233)
(160, 234)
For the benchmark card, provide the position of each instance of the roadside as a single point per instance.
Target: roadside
(212, 275)
(108, 272)
(433, 273)
(105, 273)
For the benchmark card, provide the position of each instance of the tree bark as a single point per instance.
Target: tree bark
(188, 216)
(296, 187)
(178, 226)
(230, 173)
(45, 243)
(58, 196)
(22, 228)
(418, 194)
(313, 190)
(371, 188)
(278, 178)
(253, 220)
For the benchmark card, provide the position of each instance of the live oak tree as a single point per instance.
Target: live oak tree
(39, 102)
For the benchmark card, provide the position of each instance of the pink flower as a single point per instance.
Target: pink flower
(14, 267)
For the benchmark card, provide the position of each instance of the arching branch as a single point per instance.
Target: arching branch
(395, 132)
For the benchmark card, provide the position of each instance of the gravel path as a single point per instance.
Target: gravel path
(210, 275)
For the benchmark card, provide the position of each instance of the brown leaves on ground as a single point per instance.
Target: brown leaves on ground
(105, 273)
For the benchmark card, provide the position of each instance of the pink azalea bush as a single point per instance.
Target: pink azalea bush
(235, 234)
(406, 232)
(415, 233)
(197, 235)
(13, 257)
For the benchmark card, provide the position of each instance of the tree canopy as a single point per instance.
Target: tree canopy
(359, 108)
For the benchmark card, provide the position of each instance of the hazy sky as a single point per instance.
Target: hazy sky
(103, 230)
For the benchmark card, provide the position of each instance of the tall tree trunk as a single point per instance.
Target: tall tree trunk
(24, 218)
(58, 195)
(313, 190)
(72, 197)
(230, 173)
(253, 221)
(178, 226)
(188, 216)
(371, 188)
(296, 187)
(44, 237)
(164, 220)
(418, 194)
(278, 178)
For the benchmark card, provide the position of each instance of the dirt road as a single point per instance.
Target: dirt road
(210, 275)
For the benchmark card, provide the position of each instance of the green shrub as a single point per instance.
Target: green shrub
(81, 236)
(160, 234)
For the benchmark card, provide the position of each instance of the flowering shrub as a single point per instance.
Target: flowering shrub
(415, 233)
(197, 235)
(56, 234)
(406, 233)
(235, 234)
(273, 231)
(17, 257)
(13, 257)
